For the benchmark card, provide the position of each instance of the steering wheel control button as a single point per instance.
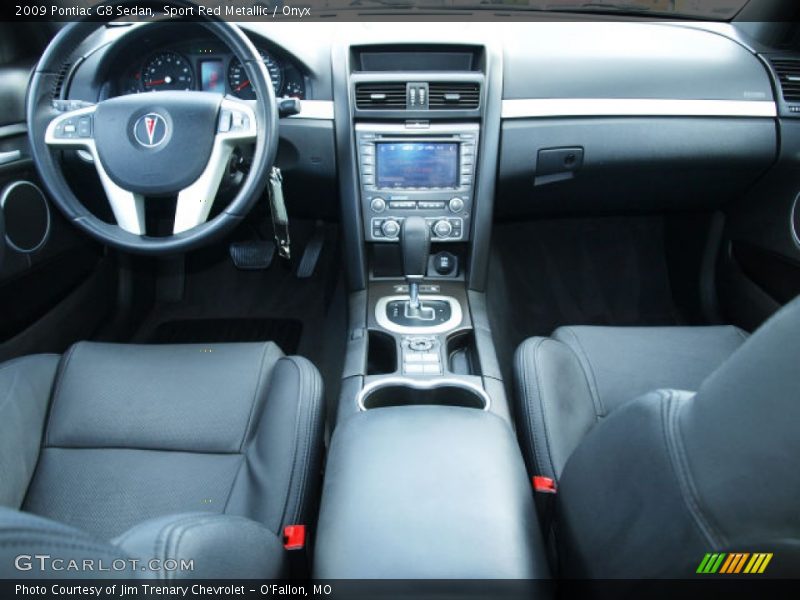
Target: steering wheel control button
(378, 205)
(85, 127)
(390, 228)
(239, 122)
(225, 121)
(456, 205)
(442, 229)
(67, 129)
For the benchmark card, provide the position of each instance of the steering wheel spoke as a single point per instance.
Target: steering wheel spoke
(236, 125)
(75, 130)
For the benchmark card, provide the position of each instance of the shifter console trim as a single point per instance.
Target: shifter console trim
(456, 315)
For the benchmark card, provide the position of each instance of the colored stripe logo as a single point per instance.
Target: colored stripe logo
(734, 563)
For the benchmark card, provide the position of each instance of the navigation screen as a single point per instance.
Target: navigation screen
(416, 165)
(211, 76)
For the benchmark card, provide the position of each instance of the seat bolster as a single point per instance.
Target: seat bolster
(625, 505)
(25, 388)
(218, 546)
(283, 456)
(555, 409)
(24, 536)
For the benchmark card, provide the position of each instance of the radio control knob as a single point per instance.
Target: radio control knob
(378, 205)
(456, 205)
(442, 228)
(390, 228)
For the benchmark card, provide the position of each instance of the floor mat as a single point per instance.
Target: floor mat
(600, 271)
(284, 332)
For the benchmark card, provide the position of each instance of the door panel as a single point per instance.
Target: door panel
(46, 263)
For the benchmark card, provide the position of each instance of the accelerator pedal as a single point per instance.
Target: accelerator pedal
(253, 255)
(312, 252)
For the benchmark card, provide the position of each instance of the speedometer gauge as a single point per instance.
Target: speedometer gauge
(239, 80)
(167, 71)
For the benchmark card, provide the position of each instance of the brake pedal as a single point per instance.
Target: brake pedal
(252, 255)
(312, 252)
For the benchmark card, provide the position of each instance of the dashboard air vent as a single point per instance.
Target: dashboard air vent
(58, 85)
(788, 71)
(381, 96)
(462, 96)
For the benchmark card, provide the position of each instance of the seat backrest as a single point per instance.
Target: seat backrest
(674, 475)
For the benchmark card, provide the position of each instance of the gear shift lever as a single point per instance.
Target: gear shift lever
(415, 244)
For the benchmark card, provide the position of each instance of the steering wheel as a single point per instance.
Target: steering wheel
(155, 144)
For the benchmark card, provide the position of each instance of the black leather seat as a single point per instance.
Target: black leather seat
(126, 451)
(667, 443)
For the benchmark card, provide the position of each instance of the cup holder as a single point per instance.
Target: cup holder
(410, 392)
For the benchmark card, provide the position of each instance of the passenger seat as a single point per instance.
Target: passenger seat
(567, 383)
(666, 444)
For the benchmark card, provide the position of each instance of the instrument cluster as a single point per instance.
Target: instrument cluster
(206, 66)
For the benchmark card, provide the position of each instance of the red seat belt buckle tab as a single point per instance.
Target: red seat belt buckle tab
(294, 537)
(543, 485)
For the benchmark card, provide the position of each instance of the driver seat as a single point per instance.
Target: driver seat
(191, 452)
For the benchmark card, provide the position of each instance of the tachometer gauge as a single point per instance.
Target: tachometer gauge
(167, 71)
(239, 80)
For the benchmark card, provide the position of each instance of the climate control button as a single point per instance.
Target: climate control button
(442, 228)
(390, 228)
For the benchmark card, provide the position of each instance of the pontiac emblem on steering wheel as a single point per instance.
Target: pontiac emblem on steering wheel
(150, 130)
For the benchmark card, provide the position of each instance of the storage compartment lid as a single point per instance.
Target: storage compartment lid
(427, 492)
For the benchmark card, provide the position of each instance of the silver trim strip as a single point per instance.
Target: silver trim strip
(421, 384)
(633, 107)
(454, 321)
(315, 109)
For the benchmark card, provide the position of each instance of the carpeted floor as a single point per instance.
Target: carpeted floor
(592, 271)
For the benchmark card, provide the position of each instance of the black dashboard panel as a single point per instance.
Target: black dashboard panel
(631, 164)
(629, 60)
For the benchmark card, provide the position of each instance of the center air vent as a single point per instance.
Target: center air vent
(462, 96)
(381, 96)
(788, 71)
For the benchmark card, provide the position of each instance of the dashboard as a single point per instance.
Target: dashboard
(563, 109)
(204, 65)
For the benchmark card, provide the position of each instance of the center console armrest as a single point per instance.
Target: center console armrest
(427, 492)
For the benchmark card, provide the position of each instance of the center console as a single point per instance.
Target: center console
(417, 168)
(427, 492)
(424, 477)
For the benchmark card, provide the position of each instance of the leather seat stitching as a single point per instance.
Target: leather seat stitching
(306, 448)
(296, 437)
(526, 398)
(254, 402)
(669, 420)
(62, 370)
(315, 406)
(583, 359)
(542, 403)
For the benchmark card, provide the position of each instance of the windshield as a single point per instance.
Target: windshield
(718, 10)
